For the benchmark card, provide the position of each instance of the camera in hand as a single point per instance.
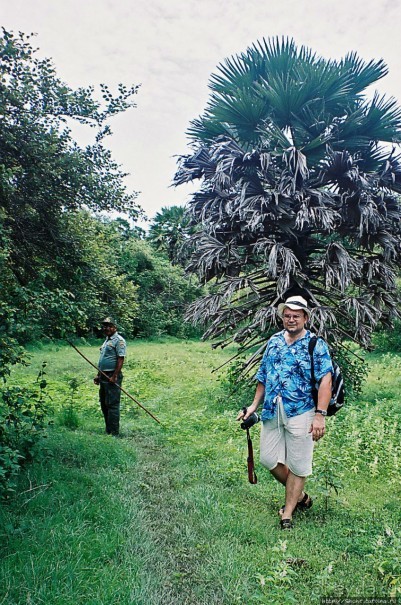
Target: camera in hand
(253, 419)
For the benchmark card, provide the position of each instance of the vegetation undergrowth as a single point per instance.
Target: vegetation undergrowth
(165, 515)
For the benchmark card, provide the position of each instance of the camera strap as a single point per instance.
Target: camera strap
(250, 461)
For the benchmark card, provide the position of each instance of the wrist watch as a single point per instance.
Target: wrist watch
(322, 412)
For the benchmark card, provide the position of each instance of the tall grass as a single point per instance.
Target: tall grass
(166, 515)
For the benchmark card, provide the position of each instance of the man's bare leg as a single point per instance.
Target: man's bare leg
(294, 489)
(293, 493)
(280, 473)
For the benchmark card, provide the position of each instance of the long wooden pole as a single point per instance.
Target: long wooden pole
(117, 385)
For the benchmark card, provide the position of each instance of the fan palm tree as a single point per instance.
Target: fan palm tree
(299, 183)
(169, 230)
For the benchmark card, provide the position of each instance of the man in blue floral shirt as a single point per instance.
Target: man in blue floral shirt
(290, 420)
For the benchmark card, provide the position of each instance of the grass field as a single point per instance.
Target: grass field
(166, 516)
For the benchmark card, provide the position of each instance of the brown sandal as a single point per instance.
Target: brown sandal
(305, 503)
(302, 505)
(286, 524)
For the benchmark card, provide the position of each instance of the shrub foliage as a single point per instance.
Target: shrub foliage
(23, 421)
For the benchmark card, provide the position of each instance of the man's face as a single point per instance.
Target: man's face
(294, 321)
(109, 329)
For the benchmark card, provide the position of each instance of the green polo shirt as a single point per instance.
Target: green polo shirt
(112, 348)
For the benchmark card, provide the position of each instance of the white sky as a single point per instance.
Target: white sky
(172, 47)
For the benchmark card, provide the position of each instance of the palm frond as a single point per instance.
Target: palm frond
(363, 74)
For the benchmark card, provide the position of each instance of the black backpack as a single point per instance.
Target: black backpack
(337, 385)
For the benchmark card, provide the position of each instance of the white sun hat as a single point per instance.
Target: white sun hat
(296, 303)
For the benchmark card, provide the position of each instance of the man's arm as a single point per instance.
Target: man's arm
(259, 395)
(120, 362)
(318, 426)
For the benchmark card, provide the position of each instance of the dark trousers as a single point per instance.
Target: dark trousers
(109, 397)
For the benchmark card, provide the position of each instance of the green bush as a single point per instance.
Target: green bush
(68, 416)
(388, 341)
(239, 391)
(9, 467)
(11, 353)
(387, 561)
(163, 292)
(23, 420)
(354, 370)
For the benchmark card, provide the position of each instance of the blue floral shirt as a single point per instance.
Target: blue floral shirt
(286, 370)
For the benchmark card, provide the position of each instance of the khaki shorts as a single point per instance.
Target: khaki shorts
(288, 441)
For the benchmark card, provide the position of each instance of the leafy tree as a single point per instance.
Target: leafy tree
(45, 179)
(61, 268)
(76, 290)
(164, 293)
(299, 194)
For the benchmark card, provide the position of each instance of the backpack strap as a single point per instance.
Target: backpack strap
(311, 348)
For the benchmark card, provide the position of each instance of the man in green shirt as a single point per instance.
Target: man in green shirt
(112, 355)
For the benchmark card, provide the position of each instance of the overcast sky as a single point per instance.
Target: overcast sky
(172, 47)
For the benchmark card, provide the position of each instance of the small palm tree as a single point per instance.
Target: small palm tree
(169, 230)
(299, 194)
